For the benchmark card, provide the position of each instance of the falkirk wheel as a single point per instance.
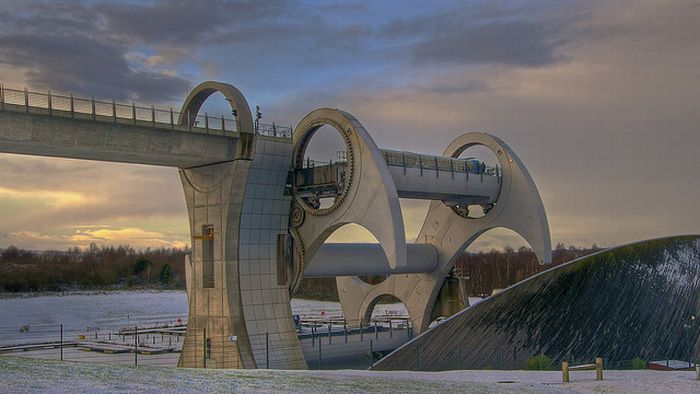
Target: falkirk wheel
(258, 228)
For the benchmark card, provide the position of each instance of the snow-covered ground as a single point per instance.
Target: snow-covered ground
(78, 310)
(21, 375)
(102, 311)
(94, 309)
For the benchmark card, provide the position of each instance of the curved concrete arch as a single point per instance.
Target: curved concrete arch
(369, 199)
(369, 307)
(518, 208)
(199, 94)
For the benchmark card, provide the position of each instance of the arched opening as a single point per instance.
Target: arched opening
(479, 160)
(386, 308)
(236, 117)
(498, 258)
(322, 172)
(218, 112)
(358, 248)
(389, 324)
(354, 233)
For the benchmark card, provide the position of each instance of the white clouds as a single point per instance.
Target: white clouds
(135, 237)
(56, 203)
(610, 135)
(48, 198)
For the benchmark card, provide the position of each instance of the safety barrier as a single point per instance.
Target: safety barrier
(70, 106)
(324, 341)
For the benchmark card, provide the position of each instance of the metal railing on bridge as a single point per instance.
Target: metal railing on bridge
(438, 163)
(70, 106)
(421, 161)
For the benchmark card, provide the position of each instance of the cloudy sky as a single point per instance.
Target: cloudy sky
(600, 99)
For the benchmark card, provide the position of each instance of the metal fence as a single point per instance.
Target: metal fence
(438, 163)
(69, 106)
(122, 344)
(327, 343)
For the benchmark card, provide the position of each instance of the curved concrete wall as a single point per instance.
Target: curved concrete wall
(631, 301)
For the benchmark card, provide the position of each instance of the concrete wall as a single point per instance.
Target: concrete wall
(630, 301)
(264, 284)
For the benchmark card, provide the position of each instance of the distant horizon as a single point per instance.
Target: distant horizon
(598, 99)
(187, 248)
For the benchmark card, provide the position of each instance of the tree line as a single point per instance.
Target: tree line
(94, 267)
(123, 267)
(498, 269)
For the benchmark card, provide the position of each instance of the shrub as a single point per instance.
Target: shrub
(638, 363)
(141, 266)
(166, 274)
(538, 363)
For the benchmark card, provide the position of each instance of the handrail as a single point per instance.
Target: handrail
(423, 162)
(52, 104)
(438, 163)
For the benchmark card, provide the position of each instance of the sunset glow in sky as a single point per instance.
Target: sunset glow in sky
(600, 100)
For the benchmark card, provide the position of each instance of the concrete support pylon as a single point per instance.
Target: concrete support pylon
(519, 208)
(238, 287)
(214, 200)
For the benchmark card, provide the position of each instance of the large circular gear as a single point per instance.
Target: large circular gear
(346, 134)
(297, 216)
(298, 252)
(463, 210)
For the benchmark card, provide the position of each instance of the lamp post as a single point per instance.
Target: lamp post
(689, 335)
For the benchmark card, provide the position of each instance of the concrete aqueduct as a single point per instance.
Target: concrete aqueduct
(255, 216)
